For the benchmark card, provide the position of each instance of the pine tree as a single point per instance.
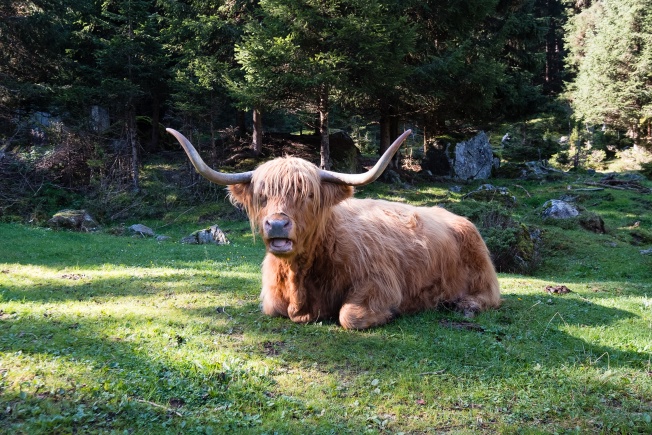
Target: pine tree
(33, 34)
(130, 66)
(310, 55)
(610, 50)
(202, 36)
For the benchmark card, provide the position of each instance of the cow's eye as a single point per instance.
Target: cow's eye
(262, 201)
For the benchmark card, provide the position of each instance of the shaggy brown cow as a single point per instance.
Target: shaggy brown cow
(360, 261)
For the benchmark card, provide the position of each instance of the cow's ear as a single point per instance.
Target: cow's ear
(332, 194)
(241, 194)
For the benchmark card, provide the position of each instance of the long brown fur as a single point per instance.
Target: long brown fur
(362, 261)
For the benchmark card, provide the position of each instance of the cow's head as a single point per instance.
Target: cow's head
(288, 199)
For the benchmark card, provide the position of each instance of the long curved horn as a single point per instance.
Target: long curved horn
(222, 178)
(372, 174)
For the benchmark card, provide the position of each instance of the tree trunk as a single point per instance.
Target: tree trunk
(240, 123)
(317, 124)
(393, 134)
(425, 141)
(156, 119)
(325, 150)
(132, 137)
(388, 132)
(257, 139)
(384, 134)
(213, 143)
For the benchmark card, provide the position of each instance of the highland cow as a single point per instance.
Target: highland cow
(359, 261)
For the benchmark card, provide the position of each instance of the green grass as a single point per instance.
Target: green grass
(113, 334)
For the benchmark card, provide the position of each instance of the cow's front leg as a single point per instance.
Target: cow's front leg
(355, 316)
(300, 314)
(272, 303)
(371, 303)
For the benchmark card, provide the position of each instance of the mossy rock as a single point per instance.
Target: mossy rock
(640, 237)
(77, 220)
(592, 222)
(489, 193)
(514, 246)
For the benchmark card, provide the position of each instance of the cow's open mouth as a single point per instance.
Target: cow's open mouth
(280, 246)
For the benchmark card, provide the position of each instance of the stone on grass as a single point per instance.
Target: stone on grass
(212, 235)
(473, 159)
(592, 222)
(557, 209)
(77, 220)
(490, 193)
(142, 230)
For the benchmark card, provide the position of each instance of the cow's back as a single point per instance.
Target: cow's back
(427, 254)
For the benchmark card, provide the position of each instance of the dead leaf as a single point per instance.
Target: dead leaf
(273, 348)
(177, 402)
(559, 289)
(469, 326)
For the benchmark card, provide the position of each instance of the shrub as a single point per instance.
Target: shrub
(513, 246)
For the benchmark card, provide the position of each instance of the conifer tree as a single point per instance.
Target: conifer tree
(610, 50)
(308, 54)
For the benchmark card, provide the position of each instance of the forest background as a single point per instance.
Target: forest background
(87, 87)
(109, 331)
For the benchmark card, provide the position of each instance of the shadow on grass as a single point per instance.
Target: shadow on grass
(135, 384)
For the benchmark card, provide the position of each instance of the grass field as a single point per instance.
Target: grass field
(114, 334)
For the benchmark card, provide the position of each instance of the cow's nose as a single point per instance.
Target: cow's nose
(277, 225)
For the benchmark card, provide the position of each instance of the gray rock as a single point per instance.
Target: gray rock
(391, 177)
(473, 159)
(592, 222)
(78, 220)
(162, 238)
(646, 251)
(345, 156)
(489, 192)
(557, 209)
(211, 235)
(142, 230)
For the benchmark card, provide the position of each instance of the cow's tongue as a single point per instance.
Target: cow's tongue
(280, 243)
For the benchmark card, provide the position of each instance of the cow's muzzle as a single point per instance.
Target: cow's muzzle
(276, 231)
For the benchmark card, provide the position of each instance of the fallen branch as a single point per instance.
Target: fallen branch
(637, 188)
(168, 409)
(589, 189)
(526, 192)
(438, 372)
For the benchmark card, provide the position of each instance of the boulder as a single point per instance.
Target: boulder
(557, 209)
(472, 159)
(77, 220)
(535, 170)
(142, 230)
(436, 161)
(344, 154)
(592, 222)
(212, 235)
(489, 192)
